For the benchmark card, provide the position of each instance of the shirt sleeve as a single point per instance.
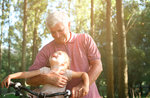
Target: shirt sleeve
(69, 74)
(41, 59)
(91, 48)
(44, 70)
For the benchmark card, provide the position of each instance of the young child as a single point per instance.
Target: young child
(59, 61)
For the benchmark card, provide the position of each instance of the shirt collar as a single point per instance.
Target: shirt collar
(72, 37)
(71, 40)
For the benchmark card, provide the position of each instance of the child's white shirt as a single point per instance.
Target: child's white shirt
(48, 88)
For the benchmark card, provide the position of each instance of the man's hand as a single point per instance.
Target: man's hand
(79, 91)
(57, 79)
(53, 78)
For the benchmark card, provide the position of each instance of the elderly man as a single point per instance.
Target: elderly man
(82, 50)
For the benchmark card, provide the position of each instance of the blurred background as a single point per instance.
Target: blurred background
(120, 28)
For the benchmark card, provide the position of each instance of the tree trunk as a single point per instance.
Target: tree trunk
(92, 18)
(24, 37)
(9, 40)
(35, 38)
(141, 89)
(109, 51)
(1, 36)
(122, 53)
(77, 8)
(35, 49)
(69, 10)
(9, 44)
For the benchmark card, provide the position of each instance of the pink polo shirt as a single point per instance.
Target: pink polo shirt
(81, 49)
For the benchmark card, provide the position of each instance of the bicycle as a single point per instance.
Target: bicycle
(18, 88)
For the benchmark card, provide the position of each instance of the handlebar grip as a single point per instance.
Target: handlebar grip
(15, 85)
(68, 92)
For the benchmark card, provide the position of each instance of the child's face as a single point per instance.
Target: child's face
(58, 59)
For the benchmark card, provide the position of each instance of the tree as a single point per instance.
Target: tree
(92, 18)
(122, 53)
(35, 13)
(35, 48)
(24, 36)
(81, 13)
(139, 50)
(109, 51)
(69, 10)
(1, 35)
(9, 34)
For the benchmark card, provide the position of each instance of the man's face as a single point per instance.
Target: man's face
(60, 32)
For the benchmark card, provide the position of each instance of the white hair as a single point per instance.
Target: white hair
(56, 17)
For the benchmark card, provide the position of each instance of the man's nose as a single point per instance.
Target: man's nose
(57, 35)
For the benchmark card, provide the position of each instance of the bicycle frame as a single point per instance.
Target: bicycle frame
(18, 88)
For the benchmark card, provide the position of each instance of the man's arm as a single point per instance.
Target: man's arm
(50, 78)
(85, 87)
(36, 80)
(95, 70)
(93, 73)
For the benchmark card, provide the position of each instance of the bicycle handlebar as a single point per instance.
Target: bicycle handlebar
(18, 87)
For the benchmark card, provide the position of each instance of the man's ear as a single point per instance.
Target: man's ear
(69, 26)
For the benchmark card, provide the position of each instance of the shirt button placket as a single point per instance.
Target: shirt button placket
(66, 46)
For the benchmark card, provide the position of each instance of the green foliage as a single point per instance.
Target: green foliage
(138, 48)
(82, 13)
(16, 35)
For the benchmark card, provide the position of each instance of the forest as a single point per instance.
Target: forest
(120, 28)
